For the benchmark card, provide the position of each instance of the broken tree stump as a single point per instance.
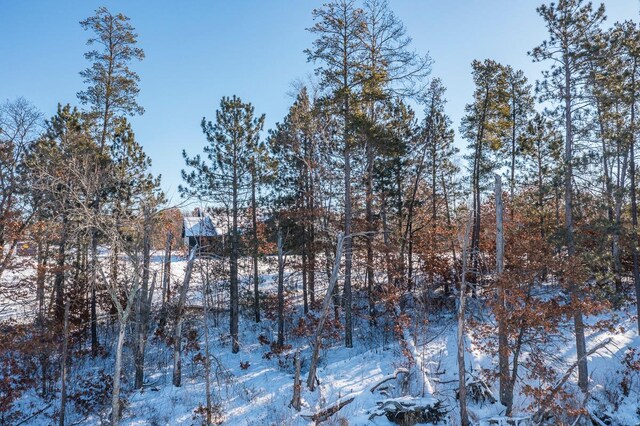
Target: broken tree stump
(297, 384)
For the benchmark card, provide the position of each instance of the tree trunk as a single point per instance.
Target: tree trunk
(348, 325)
(254, 253)
(462, 389)
(63, 367)
(94, 285)
(370, 276)
(142, 331)
(58, 283)
(143, 307)
(115, 398)
(317, 337)
(583, 376)
(297, 383)
(503, 342)
(166, 269)
(634, 202)
(311, 242)
(207, 360)
(177, 335)
(305, 295)
(233, 260)
(445, 195)
(166, 284)
(43, 254)
(281, 264)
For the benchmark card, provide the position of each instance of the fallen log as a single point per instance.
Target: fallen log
(390, 377)
(409, 411)
(325, 413)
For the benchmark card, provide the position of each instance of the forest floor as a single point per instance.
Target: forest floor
(255, 386)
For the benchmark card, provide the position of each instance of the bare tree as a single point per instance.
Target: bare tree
(317, 337)
(110, 95)
(462, 385)
(179, 310)
(20, 125)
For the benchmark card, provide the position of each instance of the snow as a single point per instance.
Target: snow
(200, 226)
(261, 393)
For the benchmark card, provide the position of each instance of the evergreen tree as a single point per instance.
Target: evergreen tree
(112, 89)
(224, 177)
(389, 69)
(339, 28)
(432, 161)
(61, 166)
(293, 145)
(485, 126)
(626, 39)
(541, 151)
(521, 107)
(571, 24)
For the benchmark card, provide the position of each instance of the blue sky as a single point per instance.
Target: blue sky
(198, 51)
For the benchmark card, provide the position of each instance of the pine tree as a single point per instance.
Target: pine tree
(389, 69)
(61, 167)
(293, 145)
(626, 38)
(112, 89)
(485, 126)
(432, 160)
(339, 27)
(521, 107)
(571, 24)
(225, 177)
(608, 113)
(541, 151)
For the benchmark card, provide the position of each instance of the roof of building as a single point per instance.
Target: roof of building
(199, 226)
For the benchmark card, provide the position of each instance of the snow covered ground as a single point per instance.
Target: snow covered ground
(255, 386)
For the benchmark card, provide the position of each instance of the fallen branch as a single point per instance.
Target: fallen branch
(546, 403)
(390, 377)
(325, 413)
(23, 421)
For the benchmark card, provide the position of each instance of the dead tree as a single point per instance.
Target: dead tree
(547, 402)
(281, 264)
(144, 299)
(179, 310)
(123, 315)
(325, 413)
(142, 328)
(317, 337)
(462, 393)
(166, 284)
(207, 361)
(506, 394)
(297, 384)
(63, 367)
(166, 269)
